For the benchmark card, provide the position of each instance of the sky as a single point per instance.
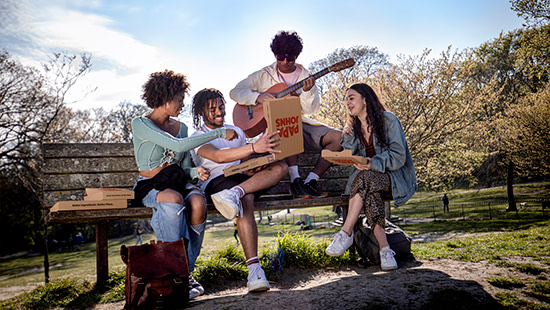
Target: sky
(218, 43)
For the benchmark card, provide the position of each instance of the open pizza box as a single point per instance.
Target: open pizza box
(343, 158)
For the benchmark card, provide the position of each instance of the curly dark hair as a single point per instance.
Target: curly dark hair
(375, 114)
(200, 104)
(163, 87)
(286, 42)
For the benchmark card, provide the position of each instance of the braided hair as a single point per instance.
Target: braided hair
(200, 104)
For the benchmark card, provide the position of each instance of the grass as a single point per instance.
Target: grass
(283, 246)
(477, 203)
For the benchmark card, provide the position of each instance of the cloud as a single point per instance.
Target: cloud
(120, 63)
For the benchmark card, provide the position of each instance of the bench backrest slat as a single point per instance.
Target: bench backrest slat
(71, 167)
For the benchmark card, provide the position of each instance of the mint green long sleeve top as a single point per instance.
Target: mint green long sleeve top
(154, 147)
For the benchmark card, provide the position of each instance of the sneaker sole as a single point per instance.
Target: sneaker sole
(226, 210)
(317, 197)
(389, 267)
(259, 286)
(333, 254)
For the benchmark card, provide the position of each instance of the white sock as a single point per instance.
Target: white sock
(293, 173)
(311, 176)
(387, 247)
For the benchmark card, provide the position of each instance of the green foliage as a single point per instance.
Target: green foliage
(511, 301)
(504, 282)
(57, 293)
(301, 251)
(227, 263)
(525, 133)
(70, 292)
(489, 247)
(529, 268)
(288, 250)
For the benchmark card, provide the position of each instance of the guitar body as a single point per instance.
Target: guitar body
(251, 118)
(257, 124)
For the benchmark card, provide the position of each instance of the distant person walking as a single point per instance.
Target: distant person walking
(139, 231)
(236, 232)
(445, 203)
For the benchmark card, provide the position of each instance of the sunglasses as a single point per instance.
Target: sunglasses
(288, 57)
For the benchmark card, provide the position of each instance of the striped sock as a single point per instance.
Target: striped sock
(252, 261)
(239, 190)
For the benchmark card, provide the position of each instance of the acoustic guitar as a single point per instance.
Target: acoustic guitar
(250, 118)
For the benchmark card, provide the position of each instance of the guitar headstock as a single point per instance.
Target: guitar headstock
(342, 65)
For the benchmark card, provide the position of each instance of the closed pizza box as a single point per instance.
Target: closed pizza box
(343, 158)
(283, 115)
(78, 205)
(108, 194)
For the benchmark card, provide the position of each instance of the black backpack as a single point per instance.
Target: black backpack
(367, 246)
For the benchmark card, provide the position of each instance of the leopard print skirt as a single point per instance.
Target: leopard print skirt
(371, 186)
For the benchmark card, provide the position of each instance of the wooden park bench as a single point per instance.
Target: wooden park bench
(69, 168)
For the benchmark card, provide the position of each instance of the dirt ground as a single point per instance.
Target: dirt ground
(408, 287)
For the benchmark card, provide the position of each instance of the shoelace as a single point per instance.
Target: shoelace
(387, 254)
(339, 237)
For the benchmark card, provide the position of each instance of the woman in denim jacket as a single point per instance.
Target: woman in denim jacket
(377, 135)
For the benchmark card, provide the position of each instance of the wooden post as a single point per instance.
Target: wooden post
(388, 210)
(46, 254)
(102, 257)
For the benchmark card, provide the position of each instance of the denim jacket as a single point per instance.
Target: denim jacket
(395, 159)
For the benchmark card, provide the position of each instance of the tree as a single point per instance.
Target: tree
(31, 105)
(533, 11)
(100, 126)
(438, 102)
(368, 60)
(525, 134)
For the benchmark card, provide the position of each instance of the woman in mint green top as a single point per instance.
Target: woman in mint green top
(161, 148)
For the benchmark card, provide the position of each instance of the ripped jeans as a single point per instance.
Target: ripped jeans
(170, 222)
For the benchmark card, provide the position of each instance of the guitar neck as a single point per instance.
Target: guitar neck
(300, 84)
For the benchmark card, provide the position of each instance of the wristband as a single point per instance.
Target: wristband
(253, 151)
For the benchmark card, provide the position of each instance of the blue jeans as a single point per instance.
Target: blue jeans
(170, 223)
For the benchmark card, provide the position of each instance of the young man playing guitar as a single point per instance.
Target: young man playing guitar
(261, 86)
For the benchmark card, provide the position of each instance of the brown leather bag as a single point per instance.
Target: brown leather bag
(157, 275)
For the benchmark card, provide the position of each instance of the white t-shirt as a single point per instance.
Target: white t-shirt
(216, 169)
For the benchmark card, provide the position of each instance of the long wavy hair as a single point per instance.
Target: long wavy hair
(375, 114)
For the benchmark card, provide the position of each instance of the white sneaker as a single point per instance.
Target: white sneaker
(227, 202)
(257, 281)
(387, 260)
(195, 288)
(340, 244)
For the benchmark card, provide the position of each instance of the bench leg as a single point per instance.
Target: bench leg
(102, 257)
